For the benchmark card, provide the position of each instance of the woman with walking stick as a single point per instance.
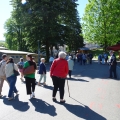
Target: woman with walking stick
(58, 72)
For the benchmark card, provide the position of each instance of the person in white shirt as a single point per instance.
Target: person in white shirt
(74, 57)
(70, 65)
(11, 77)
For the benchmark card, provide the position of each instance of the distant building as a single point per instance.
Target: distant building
(92, 46)
(3, 48)
(17, 54)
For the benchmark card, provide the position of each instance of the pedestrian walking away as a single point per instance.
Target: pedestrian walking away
(2, 72)
(20, 67)
(74, 58)
(42, 71)
(30, 78)
(84, 59)
(11, 77)
(90, 57)
(58, 73)
(51, 59)
(70, 65)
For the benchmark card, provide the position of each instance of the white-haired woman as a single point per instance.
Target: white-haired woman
(42, 71)
(70, 64)
(58, 72)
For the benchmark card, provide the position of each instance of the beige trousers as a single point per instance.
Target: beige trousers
(2, 78)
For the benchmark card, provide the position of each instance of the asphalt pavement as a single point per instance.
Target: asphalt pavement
(93, 96)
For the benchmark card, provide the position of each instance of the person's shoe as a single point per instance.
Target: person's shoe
(39, 84)
(17, 93)
(54, 99)
(44, 84)
(62, 101)
(10, 98)
(33, 94)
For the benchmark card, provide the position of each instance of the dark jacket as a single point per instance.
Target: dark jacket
(113, 61)
(42, 68)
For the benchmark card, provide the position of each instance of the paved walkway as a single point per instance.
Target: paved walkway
(93, 97)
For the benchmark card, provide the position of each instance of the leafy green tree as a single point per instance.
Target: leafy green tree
(101, 22)
(51, 22)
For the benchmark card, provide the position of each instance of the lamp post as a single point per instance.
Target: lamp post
(38, 52)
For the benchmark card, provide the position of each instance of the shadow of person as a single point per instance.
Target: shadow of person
(81, 80)
(48, 87)
(43, 107)
(18, 105)
(83, 111)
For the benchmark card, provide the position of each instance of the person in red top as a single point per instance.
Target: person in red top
(58, 72)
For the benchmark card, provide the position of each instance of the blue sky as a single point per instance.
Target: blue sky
(5, 10)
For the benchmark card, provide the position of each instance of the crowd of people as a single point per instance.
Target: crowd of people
(109, 60)
(61, 66)
(103, 58)
(84, 58)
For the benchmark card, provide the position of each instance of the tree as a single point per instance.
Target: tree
(101, 22)
(51, 22)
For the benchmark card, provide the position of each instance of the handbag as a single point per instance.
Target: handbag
(16, 73)
(29, 70)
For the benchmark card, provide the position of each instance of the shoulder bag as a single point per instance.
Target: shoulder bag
(16, 73)
(29, 70)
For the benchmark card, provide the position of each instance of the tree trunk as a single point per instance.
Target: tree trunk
(47, 51)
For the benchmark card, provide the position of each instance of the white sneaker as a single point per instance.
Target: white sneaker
(33, 94)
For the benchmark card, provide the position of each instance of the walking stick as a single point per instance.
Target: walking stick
(68, 88)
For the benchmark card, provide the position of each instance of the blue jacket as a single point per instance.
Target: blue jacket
(42, 68)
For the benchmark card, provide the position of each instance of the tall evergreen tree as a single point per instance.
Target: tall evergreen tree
(49, 21)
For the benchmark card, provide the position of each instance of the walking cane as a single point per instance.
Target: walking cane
(68, 88)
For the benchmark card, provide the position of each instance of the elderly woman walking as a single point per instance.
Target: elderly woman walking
(58, 72)
(70, 64)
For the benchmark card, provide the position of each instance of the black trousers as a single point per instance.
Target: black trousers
(90, 61)
(84, 61)
(30, 83)
(113, 70)
(58, 83)
(81, 61)
(70, 72)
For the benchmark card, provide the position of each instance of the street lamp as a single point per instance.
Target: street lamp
(38, 51)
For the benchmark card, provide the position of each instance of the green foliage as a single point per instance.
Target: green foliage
(2, 44)
(101, 22)
(51, 22)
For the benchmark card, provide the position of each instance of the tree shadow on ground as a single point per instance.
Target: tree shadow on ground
(18, 105)
(43, 107)
(74, 79)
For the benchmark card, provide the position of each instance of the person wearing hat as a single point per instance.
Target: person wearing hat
(113, 64)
